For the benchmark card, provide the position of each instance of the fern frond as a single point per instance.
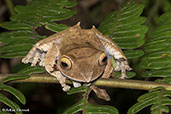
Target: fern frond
(87, 108)
(13, 91)
(32, 70)
(15, 77)
(23, 35)
(125, 27)
(9, 103)
(158, 51)
(157, 98)
(90, 108)
(23, 25)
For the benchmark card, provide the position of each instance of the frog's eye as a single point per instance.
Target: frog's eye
(103, 59)
(65, 63)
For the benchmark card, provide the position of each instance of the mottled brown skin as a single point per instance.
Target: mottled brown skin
(77, 54)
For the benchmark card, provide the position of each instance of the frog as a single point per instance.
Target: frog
(80, 55)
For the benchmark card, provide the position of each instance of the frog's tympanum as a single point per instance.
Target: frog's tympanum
(81, 55)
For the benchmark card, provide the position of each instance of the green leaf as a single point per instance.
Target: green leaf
(16, 47)
(77, 90)
(129, 74)
(6, 37)
(130, 54)
(25, 22)
(164, 80)
(59, 17)
(13, 91)
(32, 70)
(158, 52)
(90, 108)
(67, 4)
(125, 26)
(75, 108)
(14, 54)
(157, 73)
(100, 109)
(159, 63)
(157, 98)
(10, 103)
(14, 26)
(15, 77)
(56, 27)
(137, 107)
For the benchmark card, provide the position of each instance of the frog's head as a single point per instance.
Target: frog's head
(83, 65)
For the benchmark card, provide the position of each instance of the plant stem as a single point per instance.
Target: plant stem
(153, 11)
(85, 99)
(117, 83)
(10, 7)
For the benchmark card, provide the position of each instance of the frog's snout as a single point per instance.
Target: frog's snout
(87, 76)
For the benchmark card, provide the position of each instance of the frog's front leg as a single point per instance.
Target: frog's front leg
(114, 50)
(34, 56)
(121, 61)
(122, 65)
(62, 80)
(50, 65)
(37, 53)
(108, 69)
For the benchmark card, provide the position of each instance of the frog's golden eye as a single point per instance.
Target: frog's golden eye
(65, 63)
(103, 59)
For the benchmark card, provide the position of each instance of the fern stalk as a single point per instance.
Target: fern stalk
(153, 11)
(85, 99)
(117, 83)
(10, 7)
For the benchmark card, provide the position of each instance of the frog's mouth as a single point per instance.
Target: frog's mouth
(82, 81)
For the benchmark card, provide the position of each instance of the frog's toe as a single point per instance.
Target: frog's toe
(123, 76)
(41, 63)
(66, 88)
(128, 68)
(117, 69)
(123, 67)
(35, 59)
(25, 60)
(118, 66)
(76, 84)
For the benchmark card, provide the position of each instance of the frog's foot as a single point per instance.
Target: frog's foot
(65, 87)
(32, 58)
(76, 84)
(122, 65)
(61, 80)
(101, 93)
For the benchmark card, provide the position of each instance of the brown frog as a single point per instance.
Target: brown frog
(81, 55)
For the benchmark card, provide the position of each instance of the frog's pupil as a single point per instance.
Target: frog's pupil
(104, 59)
(64, 64)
